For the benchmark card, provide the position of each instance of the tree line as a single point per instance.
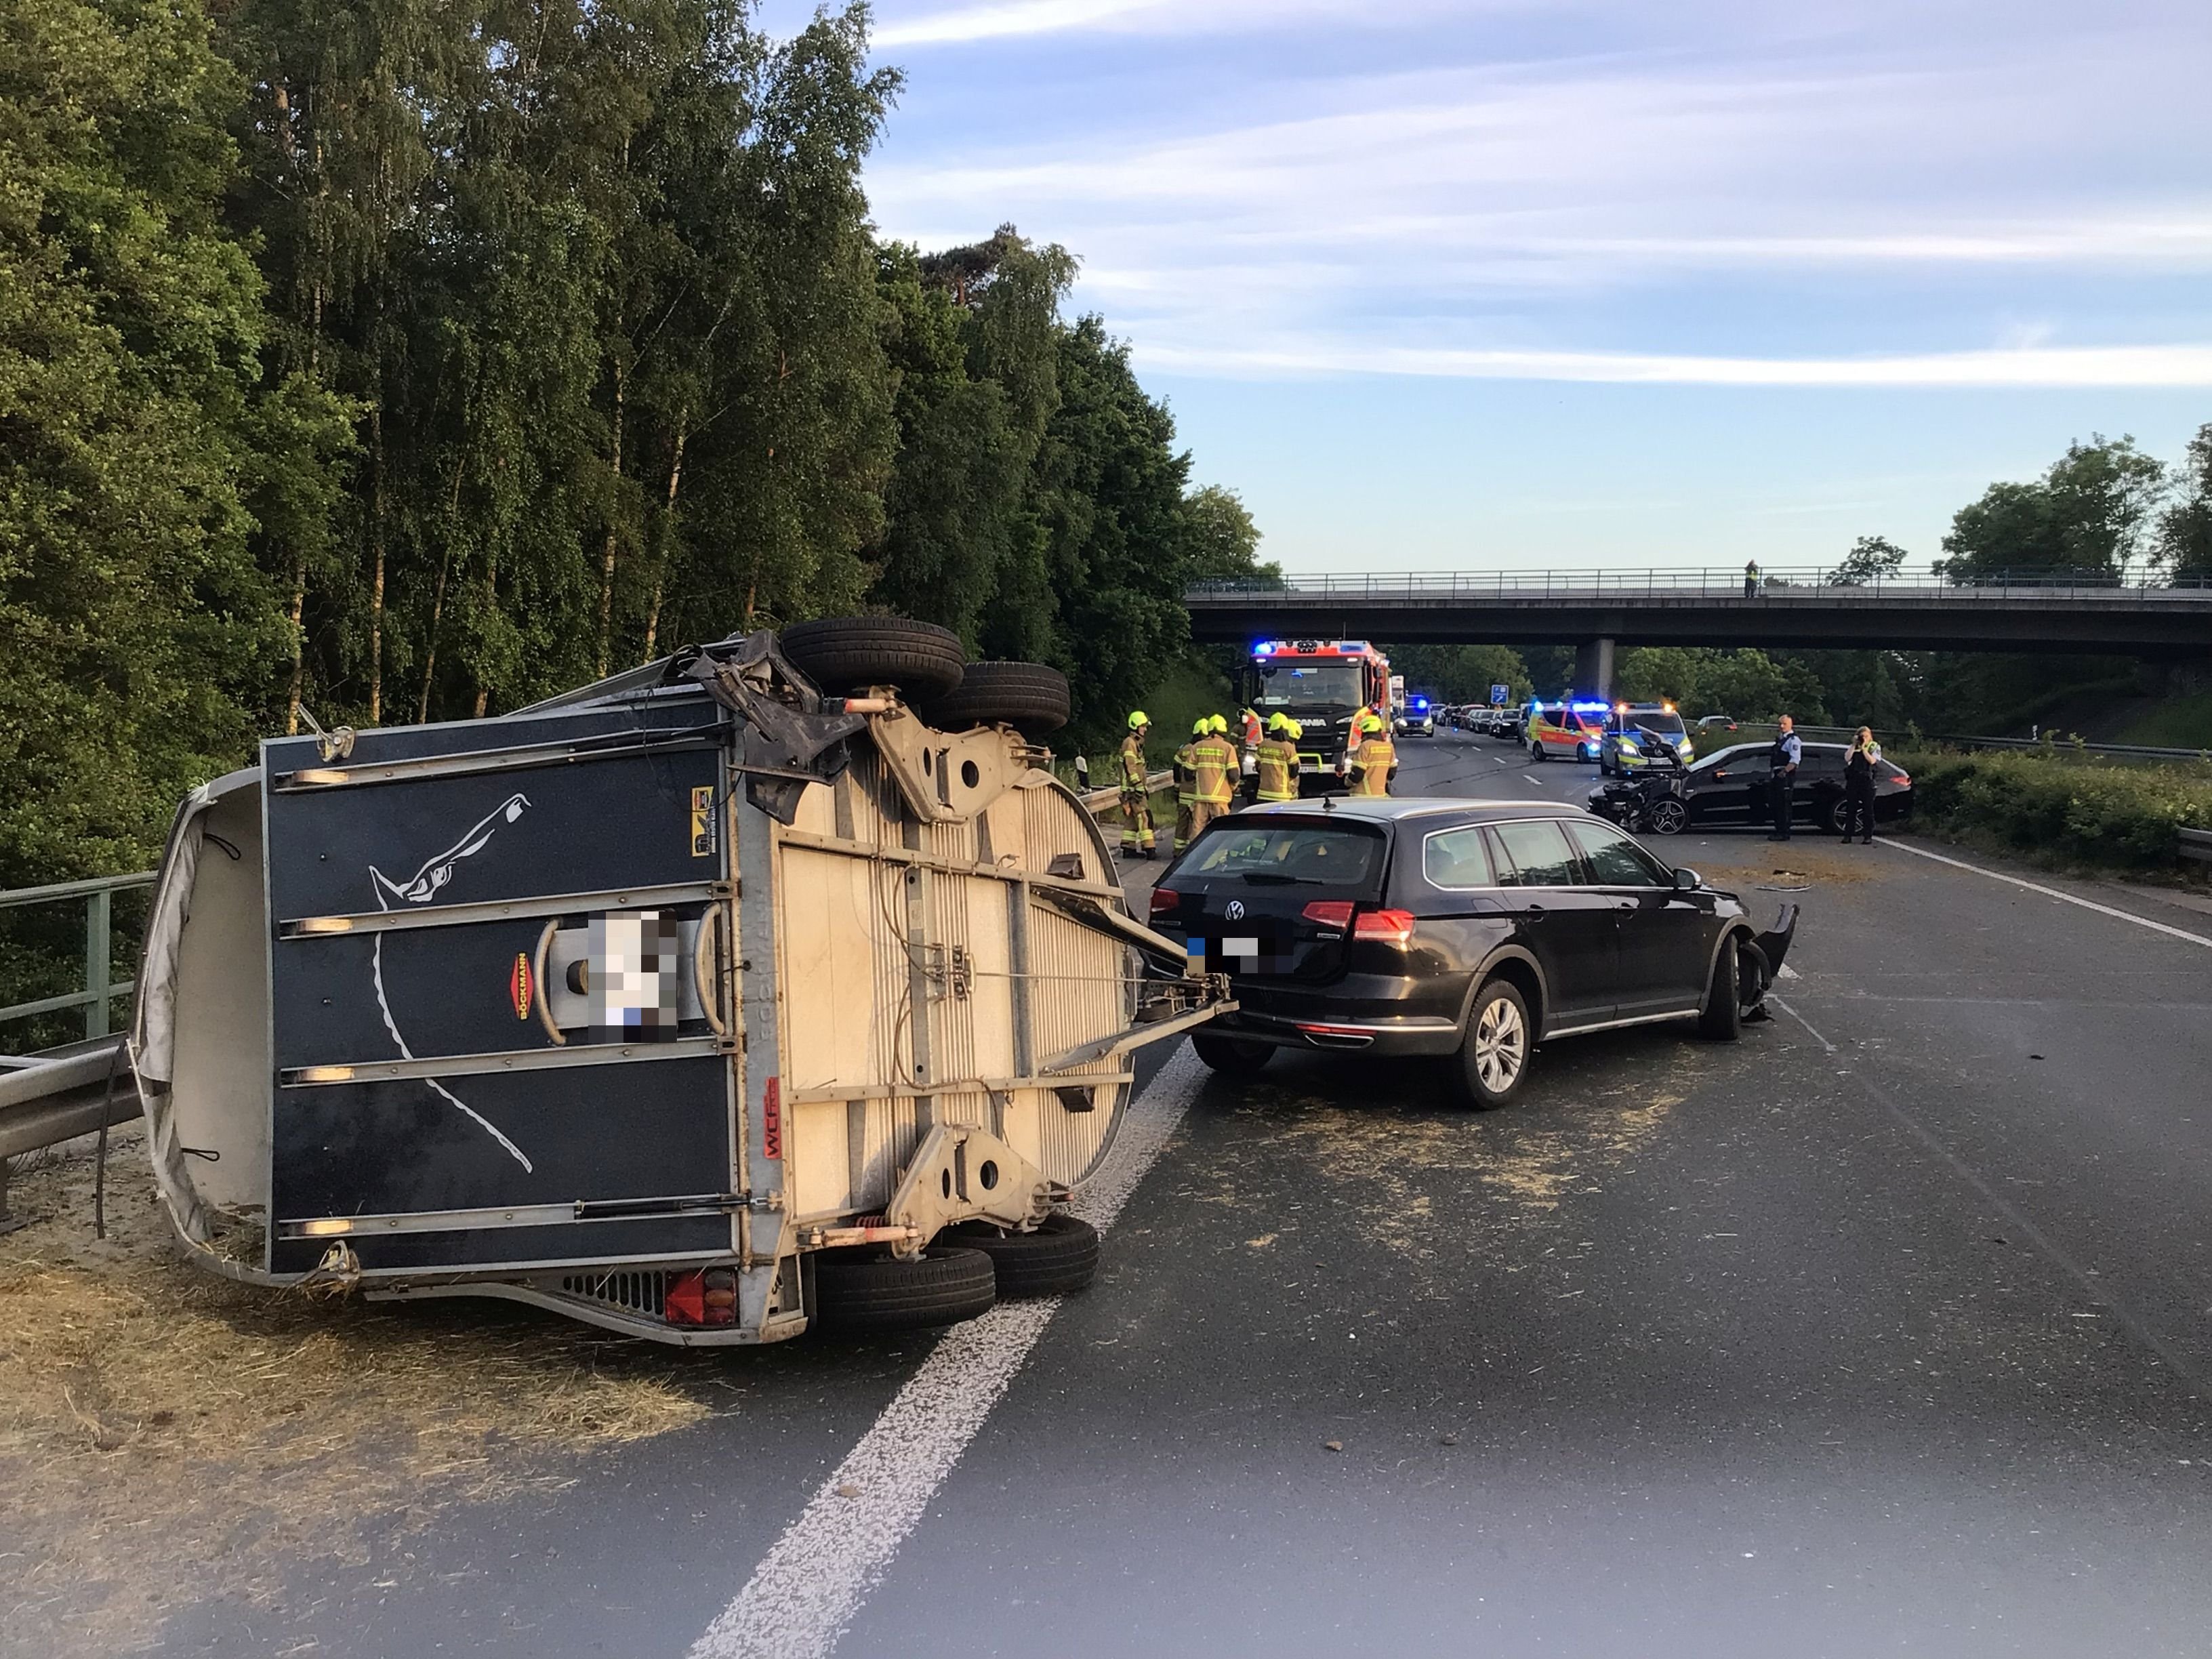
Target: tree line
(408, 360)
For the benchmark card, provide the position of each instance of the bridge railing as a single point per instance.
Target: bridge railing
(1780, 584)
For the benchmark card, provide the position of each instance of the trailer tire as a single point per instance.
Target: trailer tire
(1232, 1056)
(1029, 696)
(1061, 1255)
(842, 655)
(860, 1295)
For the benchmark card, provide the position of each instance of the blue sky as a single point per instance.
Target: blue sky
(1625, 282)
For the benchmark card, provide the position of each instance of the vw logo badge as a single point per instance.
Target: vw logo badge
(1236, 910)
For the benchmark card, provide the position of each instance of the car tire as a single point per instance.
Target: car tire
(1029, 696)
(842, 655)
(1536, 751)
(1668, 817)
(1060, 1256)
(1829, 815)
(1492, 1063)
(1721, 1020)
(1232, 1056)
(864, 1294)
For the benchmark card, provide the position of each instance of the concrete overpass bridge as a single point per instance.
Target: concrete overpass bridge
(1596, 610)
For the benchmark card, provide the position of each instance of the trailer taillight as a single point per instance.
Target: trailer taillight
(1165, 902)
(708, 1297)
(1390, 927)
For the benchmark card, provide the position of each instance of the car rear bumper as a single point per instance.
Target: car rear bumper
(1397, 1035)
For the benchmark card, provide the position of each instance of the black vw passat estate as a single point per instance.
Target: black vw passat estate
(1467, 929)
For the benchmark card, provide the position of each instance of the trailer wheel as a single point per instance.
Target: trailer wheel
(1060, 1256)
(849, 653)
(1029, 696)
(1232, 1056)
(858, 1295)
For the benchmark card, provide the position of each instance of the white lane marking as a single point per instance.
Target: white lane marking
(1785, 971)
(2052, 892)
(1802, 1020)
(811, 1584)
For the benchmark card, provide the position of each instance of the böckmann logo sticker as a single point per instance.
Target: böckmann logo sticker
(519, 986)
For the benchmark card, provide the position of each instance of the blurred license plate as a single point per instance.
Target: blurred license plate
(1242, 953)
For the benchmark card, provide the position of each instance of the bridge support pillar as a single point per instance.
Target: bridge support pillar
(1594, 669)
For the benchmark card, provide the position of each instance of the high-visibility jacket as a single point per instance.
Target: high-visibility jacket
(1213, 759)
(1279, 769)
(1132, 765)
(1186, 773)
(1370, 763)
(1252, 732)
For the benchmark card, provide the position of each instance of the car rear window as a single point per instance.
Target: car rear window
(1339, 855)
(1457, 858)
(1534, 853)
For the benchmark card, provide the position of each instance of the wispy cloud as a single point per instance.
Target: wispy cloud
(2165, 366)
(963, 23)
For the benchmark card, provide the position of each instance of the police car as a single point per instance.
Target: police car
(1634, 730)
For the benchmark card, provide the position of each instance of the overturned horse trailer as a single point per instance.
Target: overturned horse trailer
(698, 1003)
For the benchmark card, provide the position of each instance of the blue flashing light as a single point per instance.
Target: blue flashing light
(1264, 649)
(1420, 702)
(1593, 707)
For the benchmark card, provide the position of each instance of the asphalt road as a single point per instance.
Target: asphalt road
(1883, 1330)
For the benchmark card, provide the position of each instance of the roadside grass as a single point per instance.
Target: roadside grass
(2175, 723)
(2061, 812)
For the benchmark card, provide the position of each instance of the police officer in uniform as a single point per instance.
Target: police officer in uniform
(1860, 761)
(1136, 800)
(1374, 760)
(1279, 761)
(1781, 778)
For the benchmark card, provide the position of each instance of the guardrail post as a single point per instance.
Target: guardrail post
(96, 924)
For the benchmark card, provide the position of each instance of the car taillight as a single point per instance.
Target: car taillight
(1330, 913)
(1901, 777)
(708, 1297)
(1165, 902)
(1391, 926)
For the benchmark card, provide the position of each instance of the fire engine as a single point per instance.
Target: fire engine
(1324, 685)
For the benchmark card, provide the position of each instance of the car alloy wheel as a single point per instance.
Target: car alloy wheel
(1501, 1044)
(1668, 817)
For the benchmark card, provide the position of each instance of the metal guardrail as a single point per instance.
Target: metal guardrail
(1781, 584)
(1098, 800)
(99, 990)
(2196, 844)
(2067, 745)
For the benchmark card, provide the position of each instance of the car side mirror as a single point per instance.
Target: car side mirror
(1688, 881)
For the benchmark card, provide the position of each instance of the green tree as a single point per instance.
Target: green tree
(2090, 512)
(1872, 559)
(135, 630)
(1225, 541)
(2184, 530)
(1461, 673)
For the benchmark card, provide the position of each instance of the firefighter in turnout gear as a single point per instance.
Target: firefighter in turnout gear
(1279, 761)
(1374, 760)
(1213, 779)
(1136, 798)
(1186, 782)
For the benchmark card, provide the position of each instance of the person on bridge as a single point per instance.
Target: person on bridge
(1279, 761)
(1374, 760)
(1136, 796)
(1751, 580)
(1781, 778)
(1860, 762)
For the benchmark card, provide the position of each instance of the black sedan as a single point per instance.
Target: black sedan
(1464, 928)
(1730, 787)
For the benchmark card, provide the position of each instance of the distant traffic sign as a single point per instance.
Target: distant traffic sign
(1497, 695)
